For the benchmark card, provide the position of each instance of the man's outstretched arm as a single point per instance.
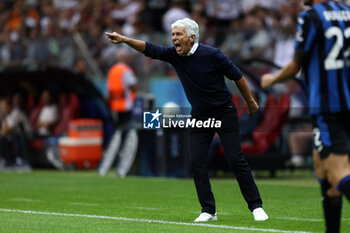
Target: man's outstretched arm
(287, 72)
(117, 38)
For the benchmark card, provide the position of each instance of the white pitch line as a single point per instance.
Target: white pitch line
(144, 208)
(302, 219)
(307, 219)
(23, 200)
(151, 221)
(83, 204)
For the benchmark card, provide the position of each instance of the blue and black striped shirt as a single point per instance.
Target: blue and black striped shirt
(324, 35)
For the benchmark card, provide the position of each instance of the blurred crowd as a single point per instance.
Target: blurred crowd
(70, 33)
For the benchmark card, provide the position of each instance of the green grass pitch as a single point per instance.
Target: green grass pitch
(81, 201)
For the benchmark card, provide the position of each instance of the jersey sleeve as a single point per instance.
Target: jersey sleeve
(158, 52)
(225, 66)
(306, 33)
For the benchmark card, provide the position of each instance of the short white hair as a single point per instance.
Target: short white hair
(190, 26)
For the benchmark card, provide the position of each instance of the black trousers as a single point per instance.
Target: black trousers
(199, 143)
(122, 120)
(14, 145)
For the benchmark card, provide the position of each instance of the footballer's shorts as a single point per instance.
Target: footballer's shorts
(331, 133)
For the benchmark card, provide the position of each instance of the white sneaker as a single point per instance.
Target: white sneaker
(55, 161)
(259, 214)
(205, 217)
(297, 160)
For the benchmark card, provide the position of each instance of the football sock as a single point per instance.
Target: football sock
(332, 207)
(344, 186)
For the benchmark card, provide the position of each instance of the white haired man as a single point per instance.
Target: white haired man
(201, 70)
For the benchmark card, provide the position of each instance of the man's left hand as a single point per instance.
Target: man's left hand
(252, 108)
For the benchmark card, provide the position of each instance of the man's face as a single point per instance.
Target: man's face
(181, 41)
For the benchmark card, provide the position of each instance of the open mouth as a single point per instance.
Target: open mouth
(177, 46)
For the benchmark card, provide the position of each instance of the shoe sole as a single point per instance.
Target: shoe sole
(212, 219)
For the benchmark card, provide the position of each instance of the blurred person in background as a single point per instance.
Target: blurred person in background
(12, 50)
(33, 45)
(201, 70)
(121, 86)
(14, 134)
(220, 14)
(48, 116)
(80, 67)
(156, 9)
(176, 11)
(25, 128)
(284, 44)
(299, 129)
(47, 120)
(234, 40)
(198, 15)
(321, 50)
(257, 41)
(299, 141)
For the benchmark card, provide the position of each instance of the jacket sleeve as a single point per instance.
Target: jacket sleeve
(159, 52)
(226, 66)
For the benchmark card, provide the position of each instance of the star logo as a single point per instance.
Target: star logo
(151, 120)
(156, 115)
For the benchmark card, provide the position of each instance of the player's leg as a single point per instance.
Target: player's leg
(338, 172)
(240, 167)
(111, 153)
(330, 136)
(199, 142)
(331, 201)
(344, 183)
(334, 137)
(229, 134)
(127, 152)
(109, 156)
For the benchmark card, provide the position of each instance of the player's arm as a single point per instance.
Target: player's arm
(247, 95)
(286, 73)
(117, 38)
